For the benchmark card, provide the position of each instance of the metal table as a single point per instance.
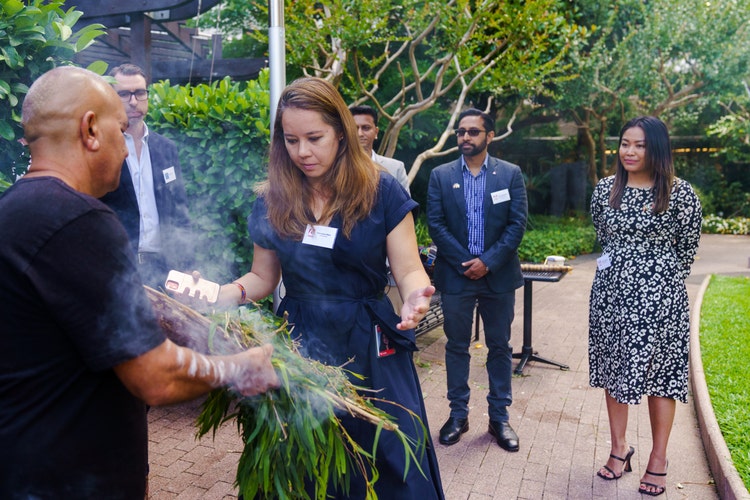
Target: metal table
(527, 351)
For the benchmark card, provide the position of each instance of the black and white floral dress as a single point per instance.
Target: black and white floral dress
(639, 320)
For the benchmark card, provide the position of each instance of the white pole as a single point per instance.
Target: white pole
(277, 80)
(276, 53)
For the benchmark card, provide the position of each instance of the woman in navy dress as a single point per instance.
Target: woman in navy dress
(326, 219)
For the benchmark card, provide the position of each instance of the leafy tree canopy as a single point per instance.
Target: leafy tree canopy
(663, 58)
(404, 57)
(35, 36)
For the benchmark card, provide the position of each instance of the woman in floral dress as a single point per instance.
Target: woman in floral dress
(648, 223)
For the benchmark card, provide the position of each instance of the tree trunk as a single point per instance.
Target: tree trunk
(585, 137)
(603, 169)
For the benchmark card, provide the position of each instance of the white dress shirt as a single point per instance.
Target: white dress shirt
(143, 183)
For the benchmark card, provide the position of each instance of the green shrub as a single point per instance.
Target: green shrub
(713, 224)
(566, 236)
(35, 36)
(722, 188)
(423, 234)
(727, 200)
(222, 132)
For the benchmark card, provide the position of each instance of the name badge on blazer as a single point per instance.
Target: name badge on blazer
(169, 175)
(500, 196)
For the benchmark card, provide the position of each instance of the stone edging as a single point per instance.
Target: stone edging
(729, 485)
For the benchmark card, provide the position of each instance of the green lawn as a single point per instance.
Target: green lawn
(725, 351)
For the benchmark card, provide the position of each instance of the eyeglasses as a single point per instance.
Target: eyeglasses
(473, 132)
(140, 95)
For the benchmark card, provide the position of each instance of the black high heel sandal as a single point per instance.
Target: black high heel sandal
(659, 488)
(626, 468)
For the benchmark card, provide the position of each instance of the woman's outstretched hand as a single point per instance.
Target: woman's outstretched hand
(415, 307)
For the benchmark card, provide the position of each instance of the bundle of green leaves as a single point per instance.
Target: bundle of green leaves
(293, 435)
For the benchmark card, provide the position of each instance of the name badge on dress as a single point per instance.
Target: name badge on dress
(500, 196)
(320, 236)
(169, 175)
(603, 262)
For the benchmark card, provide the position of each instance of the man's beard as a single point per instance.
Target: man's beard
(469, 149)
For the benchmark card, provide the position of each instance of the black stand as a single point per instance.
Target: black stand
(527, 352)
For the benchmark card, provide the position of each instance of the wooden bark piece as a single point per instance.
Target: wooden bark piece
(181, 324)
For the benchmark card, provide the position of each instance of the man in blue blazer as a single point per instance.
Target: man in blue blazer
(150, 201)
(476, 214)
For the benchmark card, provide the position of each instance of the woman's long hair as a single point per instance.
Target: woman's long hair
(352, 179)
(658, 160)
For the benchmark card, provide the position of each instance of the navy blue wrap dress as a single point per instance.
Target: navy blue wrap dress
(334, 298)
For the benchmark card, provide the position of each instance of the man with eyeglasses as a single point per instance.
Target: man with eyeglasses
(476, 215)
(150, 201)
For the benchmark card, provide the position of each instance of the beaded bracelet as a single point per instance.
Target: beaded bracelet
(243, 293)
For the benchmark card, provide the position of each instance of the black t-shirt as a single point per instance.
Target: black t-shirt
(71, 307)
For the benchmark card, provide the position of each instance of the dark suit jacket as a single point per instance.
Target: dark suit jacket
(171, 202)
(504, 225)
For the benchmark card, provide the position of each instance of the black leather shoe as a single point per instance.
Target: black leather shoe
(450, 432)
(505, 435)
